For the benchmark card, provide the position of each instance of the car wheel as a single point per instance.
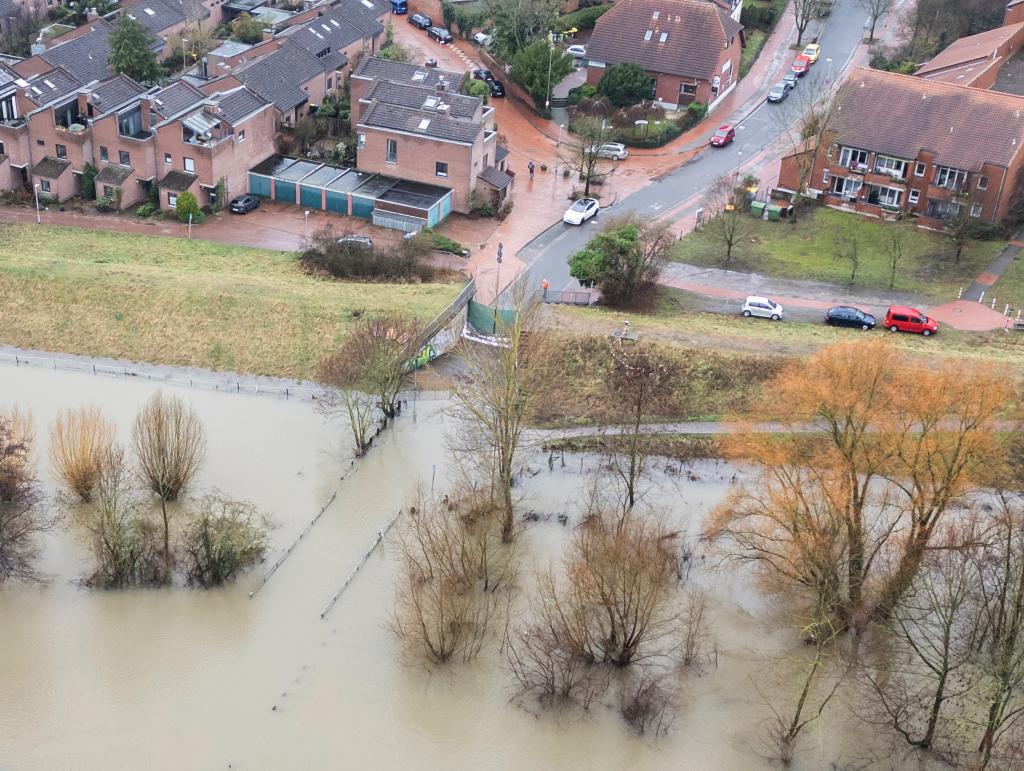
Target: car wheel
(927, 332)
(894, 329)
(865, 327)
(775, 317)
(747, 314)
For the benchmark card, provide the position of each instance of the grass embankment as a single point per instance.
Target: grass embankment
(672, 322)
(808, 250)
(754, 42)
(1010, 287)
(171, 301)
(684, 448)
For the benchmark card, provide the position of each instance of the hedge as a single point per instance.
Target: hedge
(585, 18)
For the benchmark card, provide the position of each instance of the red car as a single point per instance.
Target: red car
(723, 136)
(901, 319)
(800, 65)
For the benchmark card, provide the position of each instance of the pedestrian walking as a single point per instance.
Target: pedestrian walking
(531, 167)
(544, 284)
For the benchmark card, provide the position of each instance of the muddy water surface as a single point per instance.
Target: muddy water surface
(180, 678)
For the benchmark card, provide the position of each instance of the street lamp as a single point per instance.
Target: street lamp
(39, 218)
(828, 77)
(547, 92)
(561, 126)
(184, 62)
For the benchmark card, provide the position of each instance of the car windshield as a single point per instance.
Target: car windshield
(722, 133)
(580, 205)
(778, 87)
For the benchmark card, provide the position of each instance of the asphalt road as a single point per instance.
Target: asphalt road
(548, 254)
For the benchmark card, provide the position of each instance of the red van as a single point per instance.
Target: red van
(901, 319)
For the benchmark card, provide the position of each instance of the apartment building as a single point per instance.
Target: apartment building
(904, 144)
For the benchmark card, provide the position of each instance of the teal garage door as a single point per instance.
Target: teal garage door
(259, 185)
(284, 191)
(337, 202)
(311, 197)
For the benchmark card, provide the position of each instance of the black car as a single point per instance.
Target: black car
(497, 90)
(243, 204)
(420, 21)
(440, 34)
(483, 75)
(847, 316)
(356, 242)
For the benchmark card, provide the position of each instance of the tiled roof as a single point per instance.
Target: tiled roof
(175, 98)
(177, 181)
(495, 177)
(52, 85)
(85, 57)
(51, 168)
(676, 37)
(971, 49)
(500, 154)
(405, 95)
(113, 92)
(372, 68)
(239, 103)
(114, 174)
(276, 77)
(965, 127)
(230, 48)
(328, 33)
(363, 14)
(159, 15)
(424, 122)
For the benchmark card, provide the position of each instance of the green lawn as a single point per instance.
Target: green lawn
(755, 40)
(172, 301)
(808, 250)
(1010, 288)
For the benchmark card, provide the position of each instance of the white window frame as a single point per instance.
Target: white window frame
(887, 164)
(437, 169)
(850, 187)
(976, 210)
(44, 185)
(920, 168)
(982, 178)
(172, 200)
(189, 165)
(847, 157)
(168, 159)
(949, 177)
(890, 193)
(360, 141)
(914, 196)
(391, 151)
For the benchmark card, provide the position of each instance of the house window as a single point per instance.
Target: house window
(41, 143)
(360, 141)
(124, 158)
(392, 151)
(172, 200)
(852, 158)
(824, 177)
(168, 159)
(982, 182)
(950, 178)
(62, 151)
(894, 167)
(847, 187)
(330, 83)
(108, 191)
(44, 185)
(976, 210)
(884, 196)
(487, 160)
(190, 165)
(914, 196)
(241, 135)
(919, 169)
(688, 89)
(441, 169)
(104, 154)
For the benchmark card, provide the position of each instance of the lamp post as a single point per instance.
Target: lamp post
(184, 62)
(560, 127)
(39, 218)
(547, 92)
(828, 77)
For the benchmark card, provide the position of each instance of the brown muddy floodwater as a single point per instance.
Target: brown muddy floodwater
(189, 679)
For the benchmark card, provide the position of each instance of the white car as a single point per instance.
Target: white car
(482, 39)
(614, 150)
(762, 307)
(581, 211)
(576, 51)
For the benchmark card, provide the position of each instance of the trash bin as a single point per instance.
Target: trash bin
(774, 212)
(757, 209)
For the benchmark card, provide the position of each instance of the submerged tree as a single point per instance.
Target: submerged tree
(21, 518)
(79, 440)
(223, 537)
(170, 447)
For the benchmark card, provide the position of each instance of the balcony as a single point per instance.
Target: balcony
(139, 136)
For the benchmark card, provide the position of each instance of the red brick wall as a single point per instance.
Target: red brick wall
(1014, 14)
(142, 153)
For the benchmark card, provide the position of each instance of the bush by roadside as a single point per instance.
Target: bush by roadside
(584, 18)
(407, 262)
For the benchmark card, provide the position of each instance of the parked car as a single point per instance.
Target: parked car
(482, 39)
(762, 307)
(779, 91)
(723, 136)
(243, 204)
(902, 319)
(812, 52)
(790, 80)
(848, 316)
(356, 242)
(801, 65)
(581, 211)
(420, 21)
(440, 34)
(576, 51)
(497, 90)
(616, 151)
(483, 75)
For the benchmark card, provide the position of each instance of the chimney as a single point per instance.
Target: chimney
(205, 67)
(440, 87)
(268, 34)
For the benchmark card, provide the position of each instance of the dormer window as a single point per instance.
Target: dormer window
(648, 34)
(655, 15)
(663, 38)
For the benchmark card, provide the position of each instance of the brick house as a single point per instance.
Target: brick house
(975, 60)
(934, 149)
(690, 48)
(371, 69)
(429, 134)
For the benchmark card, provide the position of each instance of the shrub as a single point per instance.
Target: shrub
(89, 173)
(625, 84)
(104, 204)
(506, 209)
(146, 210)
(224, 537)
(585, 18)
(476, 88)
(443, 243)
(327, 257)
(79, 441)
(187, 204)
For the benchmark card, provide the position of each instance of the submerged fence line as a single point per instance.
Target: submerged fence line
(376, 542)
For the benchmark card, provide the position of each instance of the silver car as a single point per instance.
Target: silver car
(614, 150)
(763, 308)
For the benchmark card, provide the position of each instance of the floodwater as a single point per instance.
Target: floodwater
(182, 678)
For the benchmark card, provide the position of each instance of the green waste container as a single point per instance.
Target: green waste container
(774, 212)
(757, 208)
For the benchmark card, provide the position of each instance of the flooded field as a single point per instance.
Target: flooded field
(183, 678)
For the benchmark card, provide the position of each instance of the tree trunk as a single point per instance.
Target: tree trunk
(940, 695)
(167, 540)
(871, 35)
(505, 477)
(897, 586)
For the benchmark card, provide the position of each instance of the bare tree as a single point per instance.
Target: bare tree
(21, 518)
(803, 12)
(580, 155)
(875, 9)
(648, 704)
(223, 537)
(79, 439)
(808, 121)
(847, 249)
(503, 386)
(170, 447)
(728, 215)
(696, 636)
(455, 577)
(895, 249)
